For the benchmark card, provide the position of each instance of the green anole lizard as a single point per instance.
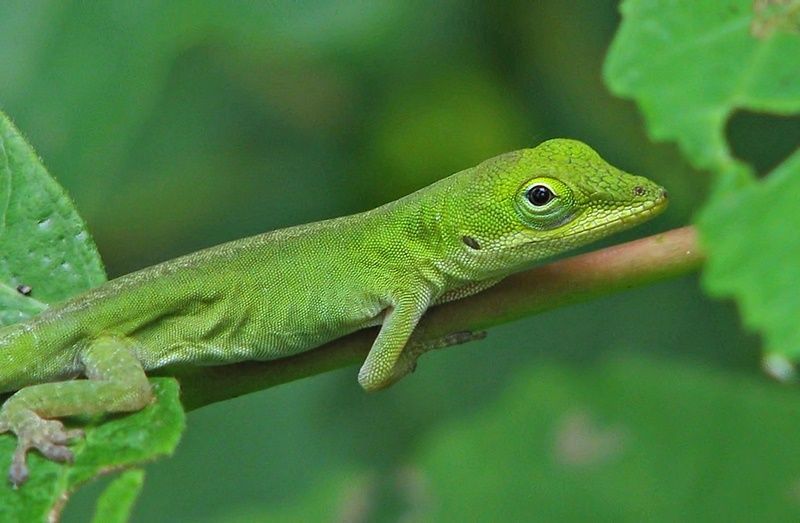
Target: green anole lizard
(288, 291)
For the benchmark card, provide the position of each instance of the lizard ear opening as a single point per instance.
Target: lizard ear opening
(471, 242)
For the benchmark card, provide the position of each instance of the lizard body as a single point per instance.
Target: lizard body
(288, 291)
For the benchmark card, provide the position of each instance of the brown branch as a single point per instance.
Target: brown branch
(580, 278)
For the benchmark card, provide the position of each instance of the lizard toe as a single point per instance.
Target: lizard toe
(73, 434)
(59, 435)
(55, 452)
(49, 437)
(53, 431)
(18, 473)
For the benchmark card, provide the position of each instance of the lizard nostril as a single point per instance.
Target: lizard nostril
(664, 194)
(639, 190)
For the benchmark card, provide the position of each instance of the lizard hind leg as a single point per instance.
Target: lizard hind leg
(116, 383)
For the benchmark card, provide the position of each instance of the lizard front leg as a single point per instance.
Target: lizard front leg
(393, 356)
(407, 362)
(399, 322)
(116, 383)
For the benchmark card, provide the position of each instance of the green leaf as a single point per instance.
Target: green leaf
(689, 65)
(111, 444)
(116, 501)
(44, 245)
(43, 242)
(628, 439)
(753, 234)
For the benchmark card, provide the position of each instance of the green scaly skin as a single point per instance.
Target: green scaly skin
(288, 291)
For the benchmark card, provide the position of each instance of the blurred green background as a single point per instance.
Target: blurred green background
(179, 125)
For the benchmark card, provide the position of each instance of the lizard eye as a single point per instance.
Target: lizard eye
(539, 195)
(545, 203)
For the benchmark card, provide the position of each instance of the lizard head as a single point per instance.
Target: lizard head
(530, 204)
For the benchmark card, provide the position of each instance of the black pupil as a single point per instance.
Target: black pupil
(539, 195)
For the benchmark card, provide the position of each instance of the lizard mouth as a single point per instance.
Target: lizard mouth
(634, 216)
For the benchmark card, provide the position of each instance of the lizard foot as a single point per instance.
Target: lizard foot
(47, 436)
(407, 363)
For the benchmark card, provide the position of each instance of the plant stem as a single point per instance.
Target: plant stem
(576, 279)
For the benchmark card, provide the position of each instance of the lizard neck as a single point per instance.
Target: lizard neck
(428, 224)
